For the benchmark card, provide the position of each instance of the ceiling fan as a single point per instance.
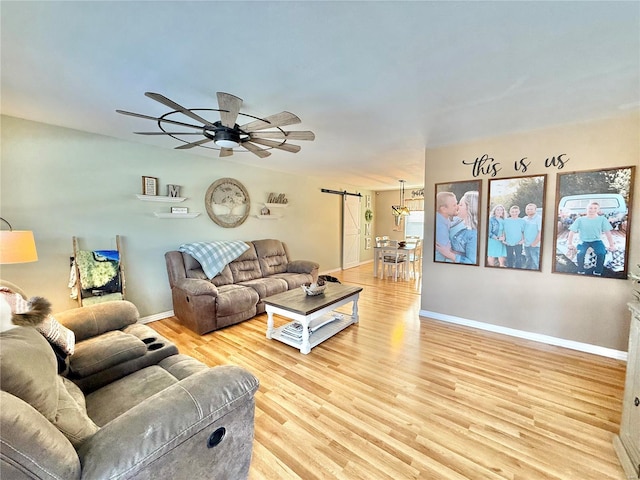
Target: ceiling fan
(225, 133)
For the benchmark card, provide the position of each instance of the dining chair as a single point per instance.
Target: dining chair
(415, 258)
(381, 242)
(394, 260)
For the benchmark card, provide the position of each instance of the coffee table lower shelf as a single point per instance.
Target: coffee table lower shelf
(321, 334)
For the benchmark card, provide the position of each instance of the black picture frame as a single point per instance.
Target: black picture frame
(605, 256)
(516, 241)
(457, 240)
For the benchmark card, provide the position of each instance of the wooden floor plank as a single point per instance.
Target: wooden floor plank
(401, 397)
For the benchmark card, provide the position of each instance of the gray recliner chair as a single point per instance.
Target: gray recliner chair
(177, 418)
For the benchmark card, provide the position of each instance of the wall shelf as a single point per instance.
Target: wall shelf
(268, 217)
(276, 205)
(176, 215)
(160, 198)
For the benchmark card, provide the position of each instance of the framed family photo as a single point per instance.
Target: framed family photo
(593, 222)
(457, 222)
(515, 217)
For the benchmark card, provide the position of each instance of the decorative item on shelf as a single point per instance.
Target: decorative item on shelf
(278, 198)
(17, 246)
(316, 288)
(173, 190)
(179, 210)
(149, 185)
(265, 211)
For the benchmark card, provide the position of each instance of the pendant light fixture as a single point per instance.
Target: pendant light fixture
(400, 210)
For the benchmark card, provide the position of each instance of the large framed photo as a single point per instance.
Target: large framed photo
(457, 222)
(514, 230)
(593, 224)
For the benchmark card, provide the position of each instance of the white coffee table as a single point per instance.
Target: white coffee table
(315, 313)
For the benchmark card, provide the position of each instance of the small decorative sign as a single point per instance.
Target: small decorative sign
(149, 185)
(173, 190)
(180, 210)
(277, 198)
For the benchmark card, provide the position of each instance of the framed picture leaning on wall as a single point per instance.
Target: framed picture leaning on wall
(457, 222)
(593, 222)
(515, 217)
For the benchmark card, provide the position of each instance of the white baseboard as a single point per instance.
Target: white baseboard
(327, 272)
(155, 316)
(536, 337)
(340, 269)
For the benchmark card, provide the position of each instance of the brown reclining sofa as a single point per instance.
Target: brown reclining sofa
(236, 293)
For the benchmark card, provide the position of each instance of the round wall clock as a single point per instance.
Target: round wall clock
(227, 202)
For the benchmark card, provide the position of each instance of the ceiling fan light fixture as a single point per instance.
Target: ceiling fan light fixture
(226, 143)
(227, 139)
(225, 133)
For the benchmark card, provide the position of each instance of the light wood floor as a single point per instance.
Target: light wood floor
(401, 397)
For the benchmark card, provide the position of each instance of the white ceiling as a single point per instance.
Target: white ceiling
(377, 82)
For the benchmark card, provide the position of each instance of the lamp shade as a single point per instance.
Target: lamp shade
(17, 246)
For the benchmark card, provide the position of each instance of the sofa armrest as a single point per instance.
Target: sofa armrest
(167, 435)
(93, 320)
(302, 266)
(196, 286)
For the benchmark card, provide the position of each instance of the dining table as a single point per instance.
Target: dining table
(386, 246)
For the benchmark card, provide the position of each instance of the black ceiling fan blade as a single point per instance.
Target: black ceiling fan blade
(277, 120)
(173, 122)
(287, 147)
(300, 135)
(193, 144)
(168, 133)
(226, 152)
(229, 108)
(171, 104)
(255, 149)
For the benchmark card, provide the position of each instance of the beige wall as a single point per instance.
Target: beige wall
(385, 224)
(580, 309)
(60, 183)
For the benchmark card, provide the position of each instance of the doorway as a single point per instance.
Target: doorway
(350, 231)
